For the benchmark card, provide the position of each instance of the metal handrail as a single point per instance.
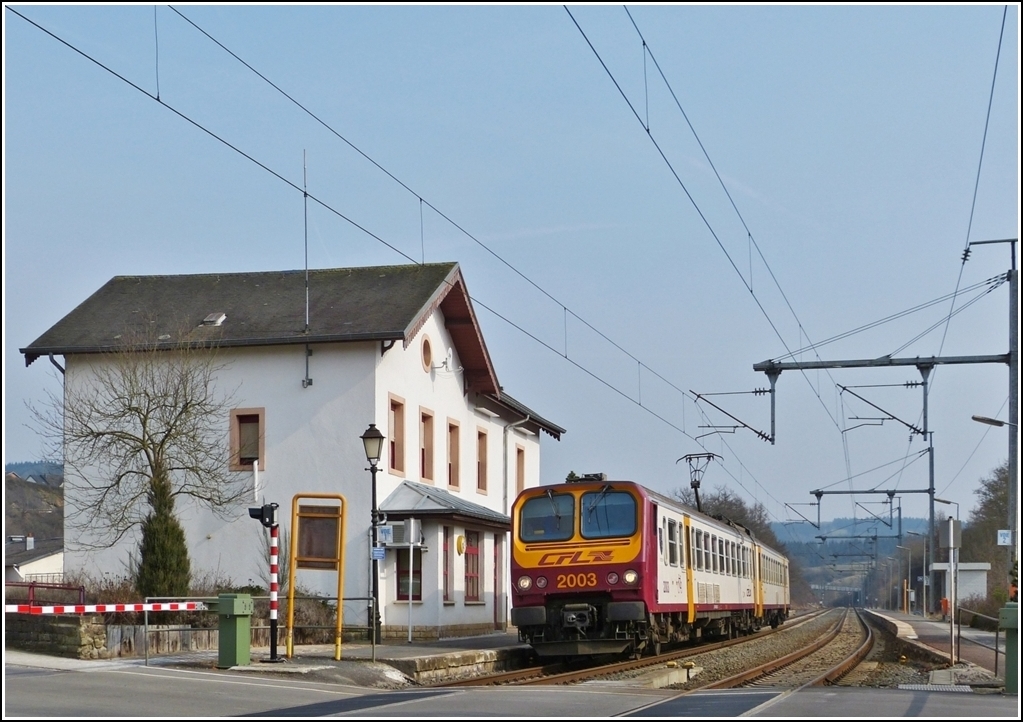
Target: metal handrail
(959, 630)
(32, 586)
(262, 598)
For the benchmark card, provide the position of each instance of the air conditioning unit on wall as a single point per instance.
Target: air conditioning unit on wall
(398, 535)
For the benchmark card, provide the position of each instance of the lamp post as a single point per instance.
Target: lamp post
(953, 557)
(909, 574)
(924, 575)
(1013, 537)
(953, 577)
(889, 562)
(373, 442)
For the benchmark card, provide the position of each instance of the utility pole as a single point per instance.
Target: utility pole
(1013, 396)
(924, 365)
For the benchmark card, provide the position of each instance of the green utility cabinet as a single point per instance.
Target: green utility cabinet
(1008, 621)
(235, 614)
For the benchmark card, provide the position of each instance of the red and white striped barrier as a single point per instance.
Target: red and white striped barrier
(273, 572)
(106, 608)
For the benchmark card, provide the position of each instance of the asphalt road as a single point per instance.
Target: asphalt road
(134, 691)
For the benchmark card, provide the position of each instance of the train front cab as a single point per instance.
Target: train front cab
(577, 569)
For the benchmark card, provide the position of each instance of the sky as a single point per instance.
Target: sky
(635, 227)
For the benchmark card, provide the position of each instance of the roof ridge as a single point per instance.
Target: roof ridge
(210, 274)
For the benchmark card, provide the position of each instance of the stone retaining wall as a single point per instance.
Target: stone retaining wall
(87, 637)
(80, 637)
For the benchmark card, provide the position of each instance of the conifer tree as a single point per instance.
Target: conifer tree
(164, 569)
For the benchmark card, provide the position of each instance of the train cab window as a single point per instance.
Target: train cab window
(607, 513)
(698, 550)
(548, 517)
(672, 542)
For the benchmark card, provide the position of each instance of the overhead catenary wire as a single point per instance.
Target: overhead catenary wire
(706, 222)
(376, 237)
(976, 180)
(429, 205)
(322, 203)
(647, 51)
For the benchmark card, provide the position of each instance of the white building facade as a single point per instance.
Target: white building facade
(398, 347)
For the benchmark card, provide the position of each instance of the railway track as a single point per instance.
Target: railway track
(566, 673)
(825, 661)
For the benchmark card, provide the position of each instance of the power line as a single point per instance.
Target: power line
(420, 198)
(365, 230)
(747, 284)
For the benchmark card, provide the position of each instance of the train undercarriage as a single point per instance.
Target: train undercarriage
(602, 626)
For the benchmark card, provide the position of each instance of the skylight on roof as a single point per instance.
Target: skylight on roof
(214, 319)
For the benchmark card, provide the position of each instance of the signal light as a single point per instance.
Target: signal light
(266, 514)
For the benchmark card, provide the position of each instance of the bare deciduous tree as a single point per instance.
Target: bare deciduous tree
(145, 418)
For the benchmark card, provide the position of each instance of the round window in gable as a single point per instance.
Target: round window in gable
(427, 354)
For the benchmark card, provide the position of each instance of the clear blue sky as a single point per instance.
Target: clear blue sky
(848, 137)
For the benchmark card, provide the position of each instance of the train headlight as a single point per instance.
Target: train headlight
(541, 582)
(612, 577)
(631, 577)
(525, 583)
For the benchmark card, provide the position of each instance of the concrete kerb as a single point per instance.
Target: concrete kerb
(951, 675)
(435, 668)
(905, 637)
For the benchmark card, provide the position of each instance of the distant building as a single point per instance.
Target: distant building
(972, 579)
(394, 346)
(27, 559)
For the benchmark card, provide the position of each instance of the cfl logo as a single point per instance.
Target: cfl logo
(592, 556)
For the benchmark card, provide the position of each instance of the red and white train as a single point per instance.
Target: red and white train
(610, 567)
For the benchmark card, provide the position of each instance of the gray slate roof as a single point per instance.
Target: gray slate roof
(412, 499)
(15, 553)
(262, 308)
(375, 303)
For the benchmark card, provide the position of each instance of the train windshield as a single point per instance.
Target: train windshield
(607, 513)
(547, 518)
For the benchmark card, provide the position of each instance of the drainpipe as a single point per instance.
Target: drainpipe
(507, 428)
(507, 510)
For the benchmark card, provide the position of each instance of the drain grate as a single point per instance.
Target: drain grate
(937, 687)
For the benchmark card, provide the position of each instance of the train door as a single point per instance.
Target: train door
(758, 582)
(687, 538)
(660, 531)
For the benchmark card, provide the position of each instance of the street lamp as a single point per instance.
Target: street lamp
(373, 442)
(1012, 483)
(946, 501)
(924, 575)
(992, 422)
